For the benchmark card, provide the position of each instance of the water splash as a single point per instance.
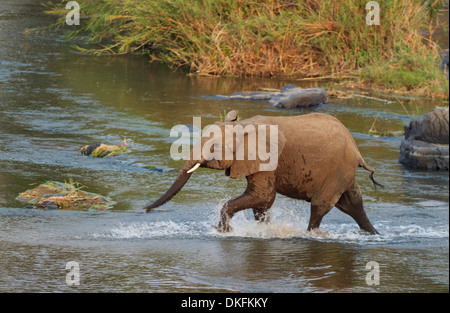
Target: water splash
(150, 230)
(286, 222)
(290, 224)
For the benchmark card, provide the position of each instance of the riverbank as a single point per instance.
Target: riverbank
(309, 39)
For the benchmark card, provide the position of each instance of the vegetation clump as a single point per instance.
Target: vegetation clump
(53, 195)
(101, 150)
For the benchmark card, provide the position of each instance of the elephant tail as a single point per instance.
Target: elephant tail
(371, 170)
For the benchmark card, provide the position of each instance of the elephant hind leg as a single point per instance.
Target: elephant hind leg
(321, 204)
(318, 211)
(351, 203)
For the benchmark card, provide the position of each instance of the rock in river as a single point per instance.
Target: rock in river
(288, 97)
(426, 143)
(294, 97)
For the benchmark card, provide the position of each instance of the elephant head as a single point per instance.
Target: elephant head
(240, 148)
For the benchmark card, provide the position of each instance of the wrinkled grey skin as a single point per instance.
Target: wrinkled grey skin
(426, 143)
(317, 162)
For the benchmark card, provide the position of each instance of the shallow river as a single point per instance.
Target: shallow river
(53, 101)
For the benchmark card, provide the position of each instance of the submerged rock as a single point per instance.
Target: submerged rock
(426, 143)
(288, 97)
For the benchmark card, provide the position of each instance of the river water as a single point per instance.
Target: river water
(54, 100)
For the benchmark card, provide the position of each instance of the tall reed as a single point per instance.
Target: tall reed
(305, 38)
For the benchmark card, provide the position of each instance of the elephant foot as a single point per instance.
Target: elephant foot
(261, 215)
(223, 227)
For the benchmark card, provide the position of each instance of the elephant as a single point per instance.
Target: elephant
(317, 159)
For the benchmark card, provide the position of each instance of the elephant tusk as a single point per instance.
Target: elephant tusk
(196, 166)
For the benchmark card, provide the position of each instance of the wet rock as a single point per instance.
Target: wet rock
(426, 143)
(433, 127)
(288, 97)
(47, 205)
(293, 97)
(423, 155)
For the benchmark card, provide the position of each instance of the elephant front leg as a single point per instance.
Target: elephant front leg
(230, 208)
(259, 195)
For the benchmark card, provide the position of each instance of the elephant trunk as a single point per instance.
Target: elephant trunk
(180, 181)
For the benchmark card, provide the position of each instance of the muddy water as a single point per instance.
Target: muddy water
(54, 100)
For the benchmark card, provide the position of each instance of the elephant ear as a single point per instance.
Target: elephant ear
(256, 149)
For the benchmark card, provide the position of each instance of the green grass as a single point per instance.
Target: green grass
(295, 38)
(409, 73)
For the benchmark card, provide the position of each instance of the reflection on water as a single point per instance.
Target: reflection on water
(53, 101)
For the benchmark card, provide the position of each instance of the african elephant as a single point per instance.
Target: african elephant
(317, 162)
